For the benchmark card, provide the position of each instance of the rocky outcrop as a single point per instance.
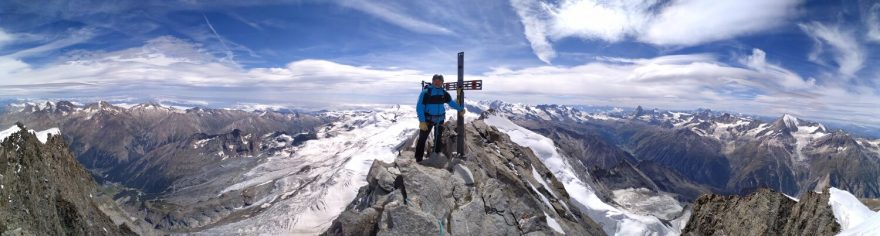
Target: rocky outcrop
(44, 191)
(498, 188)
(764, 212)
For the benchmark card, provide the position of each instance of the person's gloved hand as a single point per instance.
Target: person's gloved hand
(423, 126)
(462, 111)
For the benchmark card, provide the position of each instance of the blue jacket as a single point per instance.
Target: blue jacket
(434, 108)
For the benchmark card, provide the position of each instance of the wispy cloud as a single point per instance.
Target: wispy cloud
(872, 23)
(240, 18)
(75, 36)
(534, 28)
(5, 38)
(845, 50)
(388, 13)
(672, 23)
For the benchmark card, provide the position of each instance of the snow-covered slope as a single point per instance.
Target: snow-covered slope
(615, 221)
(43, 136)
(552, 112)
(323, 176)
(854, 217)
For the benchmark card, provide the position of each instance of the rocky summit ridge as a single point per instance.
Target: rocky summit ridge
(498, 188)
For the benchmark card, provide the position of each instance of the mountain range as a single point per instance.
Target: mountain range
(220, 171)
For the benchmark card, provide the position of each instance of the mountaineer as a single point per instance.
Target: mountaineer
(432, 114)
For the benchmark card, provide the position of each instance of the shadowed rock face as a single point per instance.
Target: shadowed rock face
(44, 191)
(504, 197)
(764, 212)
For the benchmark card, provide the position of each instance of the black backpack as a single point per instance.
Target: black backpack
(435, 99)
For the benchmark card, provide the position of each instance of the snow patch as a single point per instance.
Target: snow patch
(854, 217)
(201, 143)
(543, 198)
(792, 198)
(754, 132)
(678, 115)
(553, 224)
(541, 180)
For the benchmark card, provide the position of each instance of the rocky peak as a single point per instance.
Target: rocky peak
(727, 118)
(65, 107)
(639, 111)
(102, 106)
(703, 113)
(789, 124)
(45, 191)
(763, 212)
(148, 105)
(498, 188)
(38, 107)
(789, 120)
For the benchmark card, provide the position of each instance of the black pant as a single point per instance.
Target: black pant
(423, 137)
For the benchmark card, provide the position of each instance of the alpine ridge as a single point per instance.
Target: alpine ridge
(44, 191)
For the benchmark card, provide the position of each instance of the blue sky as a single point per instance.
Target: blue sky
(815, 59)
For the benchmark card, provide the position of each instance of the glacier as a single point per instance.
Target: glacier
(314, 184)
(614, 220)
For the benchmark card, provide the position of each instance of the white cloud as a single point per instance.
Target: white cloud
(176, 65)
(680, 76)
(691, 22)
(682, 22)
(11, 65)
(168, 66)
(610, 21)
(684, 82)
(758, 62)
(846, 51)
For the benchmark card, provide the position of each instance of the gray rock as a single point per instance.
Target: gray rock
(404, 221)
(764, 212)
(436, 160)
(467, 220)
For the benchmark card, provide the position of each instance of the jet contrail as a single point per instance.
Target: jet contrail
(229, 53)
